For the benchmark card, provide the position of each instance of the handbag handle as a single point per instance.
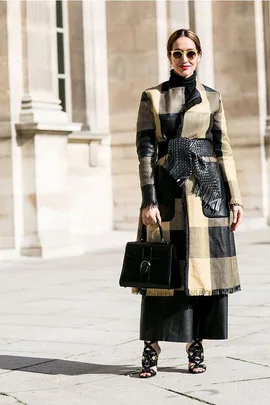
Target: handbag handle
(143, 233)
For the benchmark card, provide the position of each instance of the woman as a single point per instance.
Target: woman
(188, 181)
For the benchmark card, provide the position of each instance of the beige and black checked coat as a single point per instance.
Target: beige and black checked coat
(205, 243)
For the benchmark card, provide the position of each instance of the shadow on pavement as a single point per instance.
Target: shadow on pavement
(67, 367)
(56, 366)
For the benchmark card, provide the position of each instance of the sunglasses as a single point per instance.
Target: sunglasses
(190, 53)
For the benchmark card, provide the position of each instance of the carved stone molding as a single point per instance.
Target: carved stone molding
(31, 129)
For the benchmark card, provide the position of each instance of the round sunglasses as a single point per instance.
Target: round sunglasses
(190, 53)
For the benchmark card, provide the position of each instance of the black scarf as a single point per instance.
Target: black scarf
(185, 157)
(178, 81)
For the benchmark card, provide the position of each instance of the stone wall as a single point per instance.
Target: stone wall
(132, 67)
(6, 176)
(237, 75)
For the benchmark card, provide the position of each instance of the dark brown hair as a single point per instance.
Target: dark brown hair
(183, 33)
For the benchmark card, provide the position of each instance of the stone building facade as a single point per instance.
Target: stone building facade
(71, 75)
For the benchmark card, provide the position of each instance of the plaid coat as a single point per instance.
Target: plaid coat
(205, 243)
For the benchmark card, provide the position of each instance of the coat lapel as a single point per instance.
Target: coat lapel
(195, 98)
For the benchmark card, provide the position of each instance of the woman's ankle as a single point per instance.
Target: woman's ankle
(194, 340)
(155, 346)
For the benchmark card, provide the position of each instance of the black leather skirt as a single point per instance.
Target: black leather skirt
(182, 318)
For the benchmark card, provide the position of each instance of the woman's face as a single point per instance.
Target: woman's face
(186, 64)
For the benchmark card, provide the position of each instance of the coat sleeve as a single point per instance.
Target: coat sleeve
(224, 155)
(146, 150)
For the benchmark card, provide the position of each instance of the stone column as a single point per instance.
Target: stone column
(133, 67)
(42, 133)
(262, 99)
(162, 37)
(44, 170)
(178, 15)
(6, 179)
(40, 102)
(204, 29)
(240, 81)
(266, 14)
(77, 66)
(96, 65)
(97, 140)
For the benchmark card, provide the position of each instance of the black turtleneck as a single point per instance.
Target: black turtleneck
(178, 81)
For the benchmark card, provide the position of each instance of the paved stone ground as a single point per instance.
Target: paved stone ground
(69, 335)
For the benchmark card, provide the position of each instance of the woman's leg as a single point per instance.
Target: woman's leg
(196, 357)
(149, 359)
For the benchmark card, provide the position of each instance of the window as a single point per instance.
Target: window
(61, 73)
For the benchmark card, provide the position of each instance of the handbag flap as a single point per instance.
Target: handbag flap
(147, 250)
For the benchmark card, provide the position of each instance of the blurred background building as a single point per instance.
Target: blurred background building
(71, 76)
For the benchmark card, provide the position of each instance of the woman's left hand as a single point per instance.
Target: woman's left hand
(238, 213)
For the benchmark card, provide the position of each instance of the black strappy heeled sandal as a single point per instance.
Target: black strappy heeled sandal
(149, 361)
(196, 356)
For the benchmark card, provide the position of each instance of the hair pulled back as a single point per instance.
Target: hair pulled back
(183, 33)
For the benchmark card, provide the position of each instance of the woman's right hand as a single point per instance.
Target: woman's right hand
(150, 215)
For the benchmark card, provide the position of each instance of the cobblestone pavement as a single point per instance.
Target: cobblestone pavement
(69, 335)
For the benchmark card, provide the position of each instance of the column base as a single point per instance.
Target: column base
(31, 251)
(31, 246)
(267, 154)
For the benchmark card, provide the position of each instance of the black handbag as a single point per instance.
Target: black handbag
(150, 265)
